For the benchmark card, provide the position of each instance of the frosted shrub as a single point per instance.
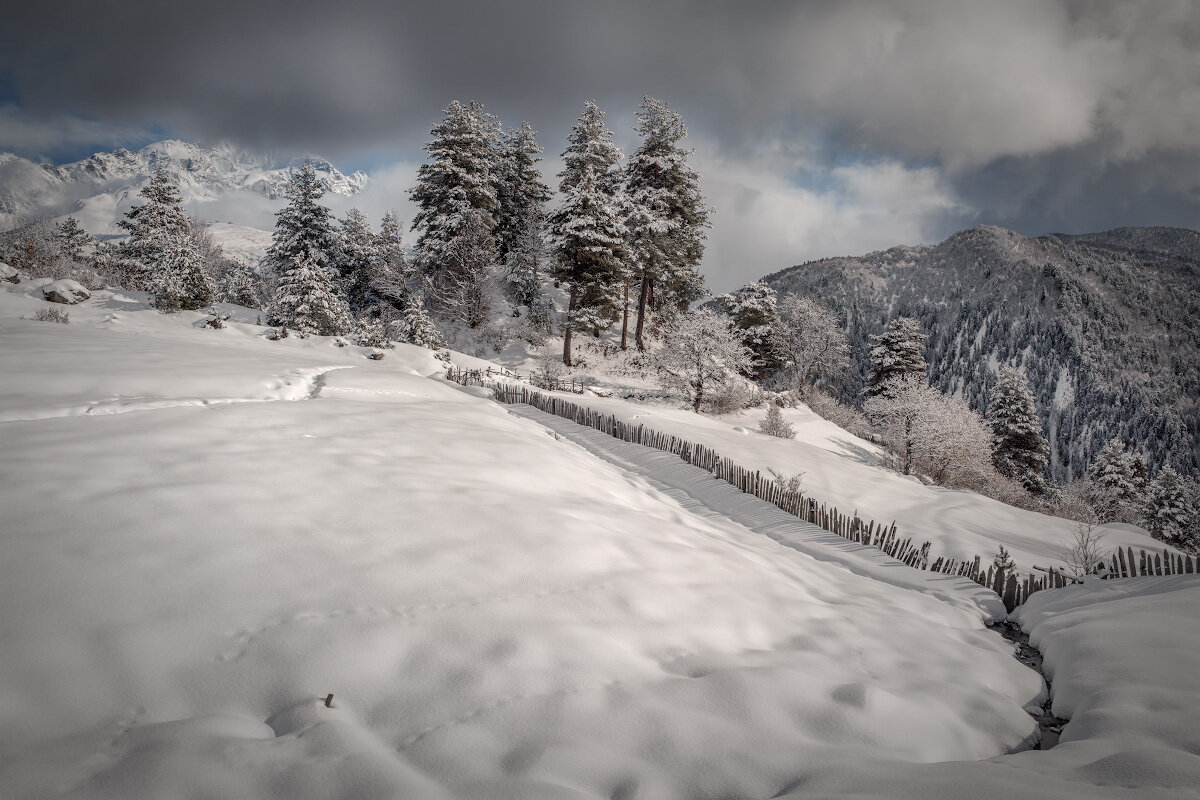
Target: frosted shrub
(736, 394)
(829, 408)
(1085, 553)
(788, 483)
(52, 315)
(773, 424)
(372, 333)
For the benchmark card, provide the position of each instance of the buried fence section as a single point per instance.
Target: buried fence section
(1012, 588)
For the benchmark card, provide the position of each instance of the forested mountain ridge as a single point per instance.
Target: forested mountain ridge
(1106, 325)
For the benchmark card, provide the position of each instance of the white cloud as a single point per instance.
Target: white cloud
(764, 221)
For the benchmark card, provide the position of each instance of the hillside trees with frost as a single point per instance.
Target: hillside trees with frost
(701, 354)
(932, 434)
(668, 217)
(73, 241)
(1169, 510)
(809, 342)
(1117, 482)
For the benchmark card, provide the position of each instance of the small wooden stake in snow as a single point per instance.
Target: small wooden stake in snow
(329, 701)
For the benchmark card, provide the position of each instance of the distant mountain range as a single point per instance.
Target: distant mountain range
(1107, 326)
(98, 190)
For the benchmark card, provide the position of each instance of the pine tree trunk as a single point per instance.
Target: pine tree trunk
(625, 318)
(567, 333)
(643, 299)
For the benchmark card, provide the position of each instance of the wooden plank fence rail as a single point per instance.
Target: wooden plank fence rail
(1012, 587)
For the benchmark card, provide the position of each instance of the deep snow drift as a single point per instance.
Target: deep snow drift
(206, 532)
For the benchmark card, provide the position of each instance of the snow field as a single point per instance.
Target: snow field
(498, 613)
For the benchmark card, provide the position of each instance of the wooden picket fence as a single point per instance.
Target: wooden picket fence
(1012, 587)
(488, 377)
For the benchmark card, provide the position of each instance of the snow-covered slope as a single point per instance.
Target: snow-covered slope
(98, 190)
(205, 533)
(241, 242)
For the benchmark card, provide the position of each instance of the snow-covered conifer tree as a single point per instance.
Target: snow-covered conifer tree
(753, 310)
(455, 191)
(702, 353)
(520, 192)
(668, 216)
(466, 274)
(808, 341)
(773, 424)
(241, 286)
(303, 258)
(153, 227)
(1019, 448)
(1169, 512)
(359, 262)
(1117, 484)
(178, 281)
(394, 276)
(896, 353)
(73, 241)
(587, 231)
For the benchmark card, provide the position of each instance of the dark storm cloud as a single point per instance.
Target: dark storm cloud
(841, 123)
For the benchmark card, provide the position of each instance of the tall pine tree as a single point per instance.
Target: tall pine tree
(587, 231)
(1019, 448)
(73, 240)
(154, 227)
(896, 354)
(520, 190)
(304, 257)
(455, 192)
(360, 261)
(753, 309)
(667, 214)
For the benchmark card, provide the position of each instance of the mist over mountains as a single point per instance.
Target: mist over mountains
(1106, 325)
(98, 190)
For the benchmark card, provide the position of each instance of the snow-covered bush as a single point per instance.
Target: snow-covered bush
(372, 333)
(734, 394)
(702, 356)
(773, 424)
(829, 408)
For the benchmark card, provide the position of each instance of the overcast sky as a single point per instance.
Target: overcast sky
(821, 128)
